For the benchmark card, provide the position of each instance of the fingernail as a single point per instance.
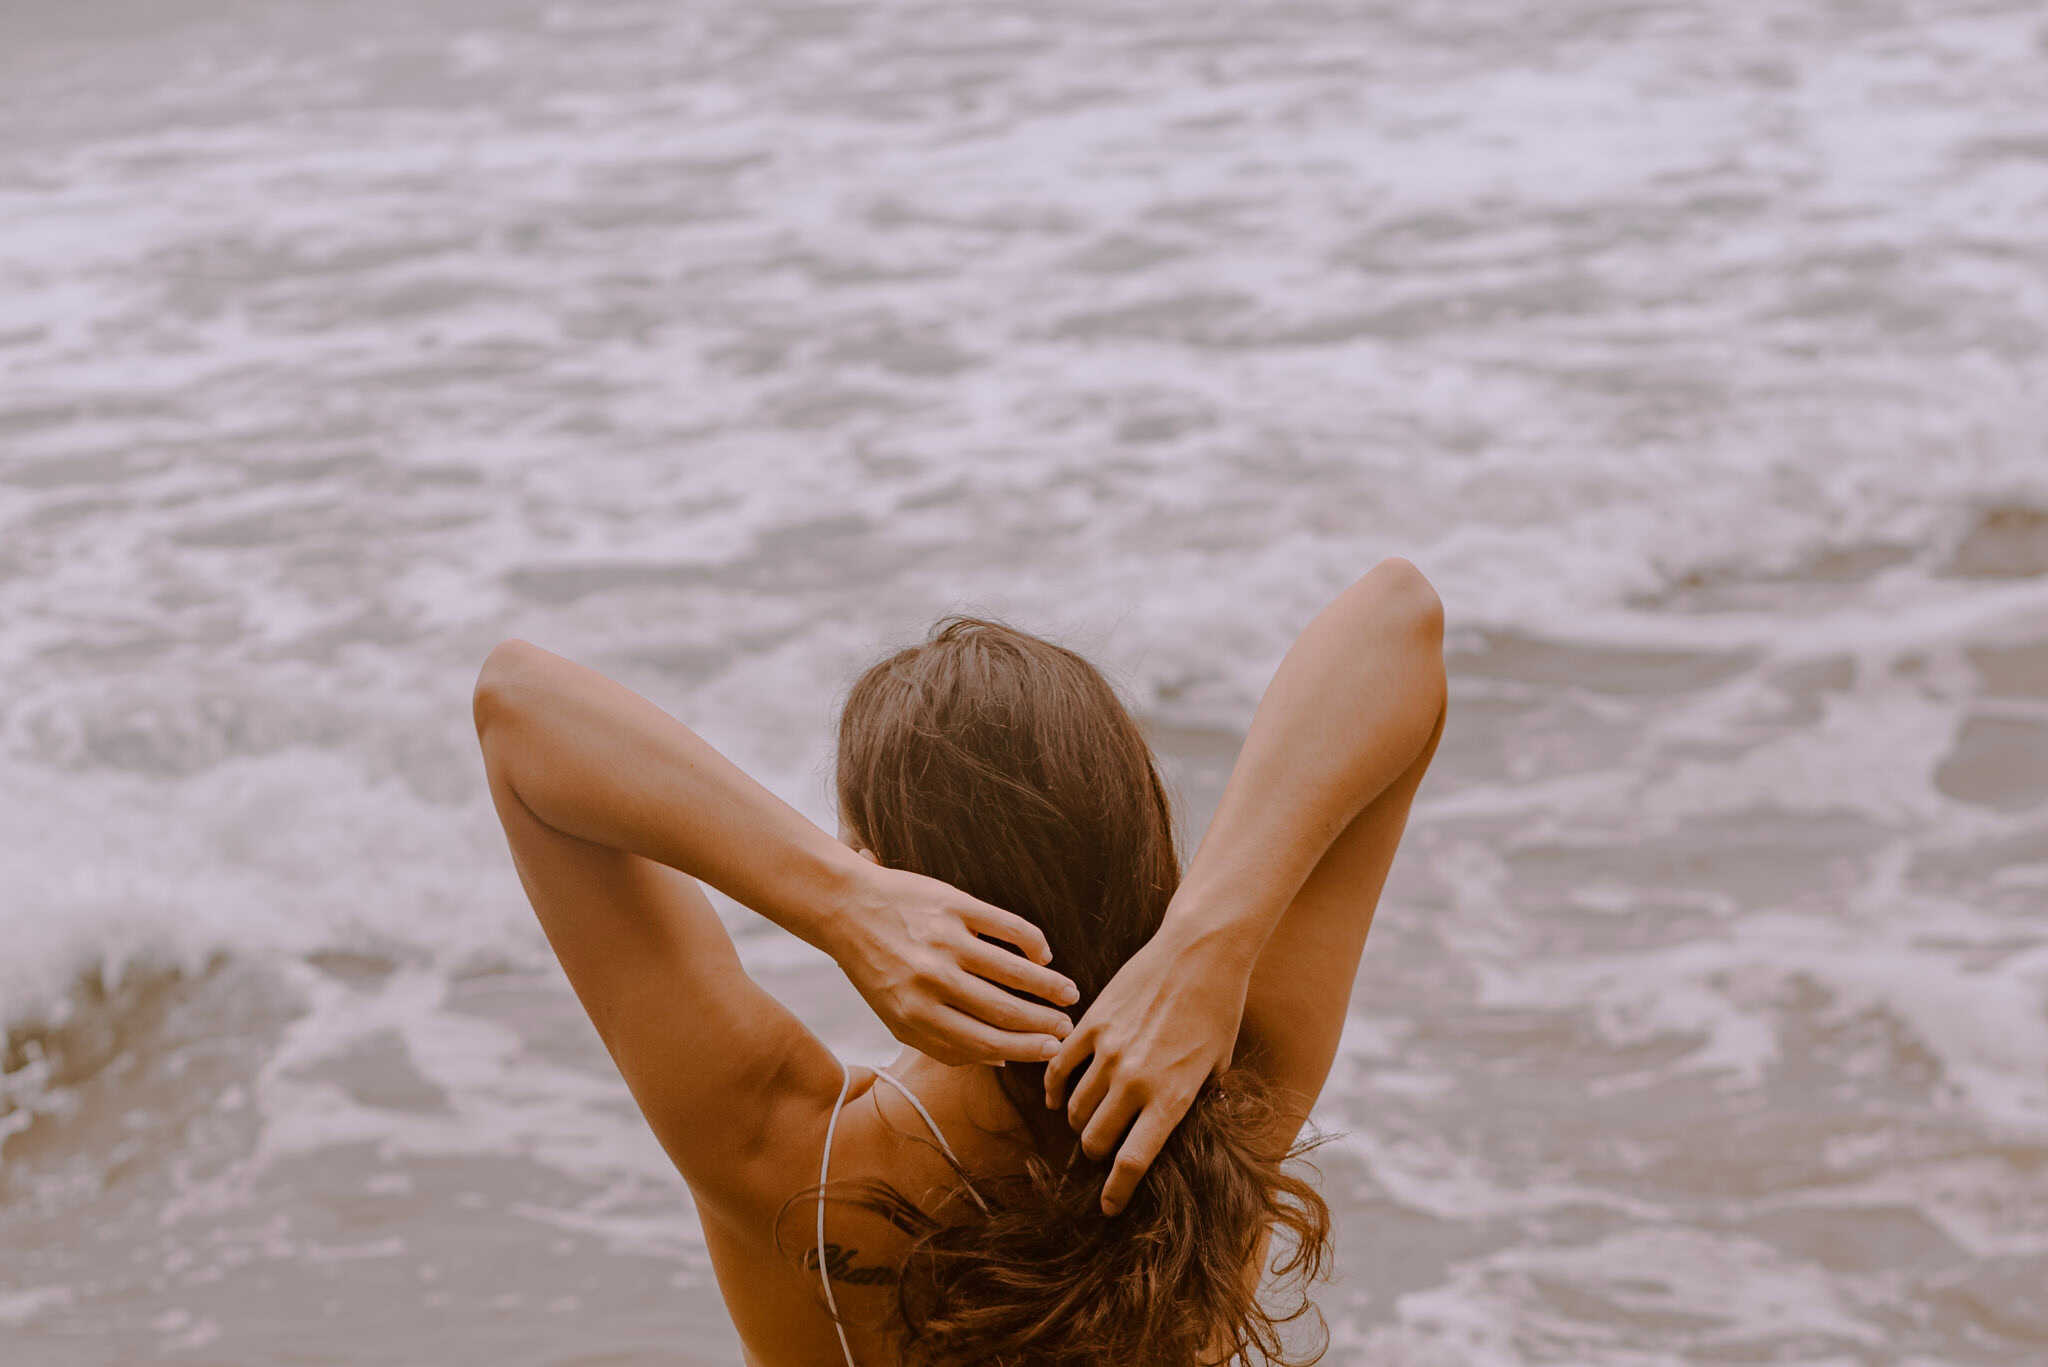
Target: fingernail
(1049, 1049)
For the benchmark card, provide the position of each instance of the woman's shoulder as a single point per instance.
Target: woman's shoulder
(925, 1123)
(889, 1137)
(911, 1128)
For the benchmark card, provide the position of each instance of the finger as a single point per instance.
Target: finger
(945, 1051)
(979, 1042)
(1010, 928)
(1004, 966)
(926, 1033)
(1066, 1063)
(1109, 1122)
(1004, 1010)
(1094, 1087)
(1140, 1147)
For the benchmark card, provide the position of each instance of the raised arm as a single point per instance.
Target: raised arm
(1261, 943)
(613, 809)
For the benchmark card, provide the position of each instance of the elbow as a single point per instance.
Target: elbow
(506, 674)
(1412, 622)
(1412, 601)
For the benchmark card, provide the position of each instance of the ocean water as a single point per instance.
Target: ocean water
(1699, 354)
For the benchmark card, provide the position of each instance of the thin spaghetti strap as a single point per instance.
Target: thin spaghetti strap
(825, 1176)
(947, 1149)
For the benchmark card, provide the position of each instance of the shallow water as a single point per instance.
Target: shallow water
(1700, 357)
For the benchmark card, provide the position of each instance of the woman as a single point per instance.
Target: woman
(1006, 850)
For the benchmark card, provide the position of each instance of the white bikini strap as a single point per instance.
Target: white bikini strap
(825, 1176)
(933, 1126)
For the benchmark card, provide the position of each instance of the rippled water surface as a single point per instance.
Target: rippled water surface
(1699, 353)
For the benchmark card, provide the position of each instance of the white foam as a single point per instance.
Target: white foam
(21, 1307)
(1730, 1289)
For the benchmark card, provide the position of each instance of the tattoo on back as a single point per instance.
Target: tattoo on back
(841, 1265)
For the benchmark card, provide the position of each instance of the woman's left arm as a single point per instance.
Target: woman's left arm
(613, 809)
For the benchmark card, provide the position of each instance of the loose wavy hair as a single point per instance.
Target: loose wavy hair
(1007, 766)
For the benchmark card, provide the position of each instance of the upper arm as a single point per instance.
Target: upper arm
(1300, 988)
(733, 1085)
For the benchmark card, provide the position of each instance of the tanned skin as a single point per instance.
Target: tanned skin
(614, 812)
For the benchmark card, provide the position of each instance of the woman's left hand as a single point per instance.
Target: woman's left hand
(913, 948)
(1164, 1026)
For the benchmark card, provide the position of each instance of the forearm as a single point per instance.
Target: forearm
(1351, 707)
(592, 759)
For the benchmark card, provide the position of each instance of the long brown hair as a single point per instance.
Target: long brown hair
(1007, 766)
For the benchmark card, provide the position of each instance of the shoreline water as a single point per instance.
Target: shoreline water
(1693, 351)
(450, 1154)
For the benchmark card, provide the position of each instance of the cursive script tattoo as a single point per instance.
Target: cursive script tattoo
(841, 1267)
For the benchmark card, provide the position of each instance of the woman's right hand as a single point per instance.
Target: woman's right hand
(913, 948)
(1164, 1026)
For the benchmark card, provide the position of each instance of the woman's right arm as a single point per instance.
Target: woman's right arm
(1261, 943)
(613, 810)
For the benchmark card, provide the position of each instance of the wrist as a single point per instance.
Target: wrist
(1218, 928)
(832, 885)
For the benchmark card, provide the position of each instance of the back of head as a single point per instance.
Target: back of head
(1007, 766)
